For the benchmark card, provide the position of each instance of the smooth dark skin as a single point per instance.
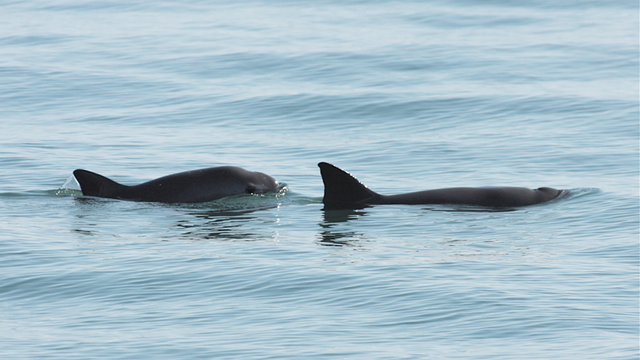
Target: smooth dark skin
(187, 187)
(342, 190)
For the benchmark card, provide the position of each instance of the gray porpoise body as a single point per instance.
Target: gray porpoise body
(186, 187)
(342, 190)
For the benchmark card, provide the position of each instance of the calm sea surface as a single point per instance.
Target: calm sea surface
(406, 96)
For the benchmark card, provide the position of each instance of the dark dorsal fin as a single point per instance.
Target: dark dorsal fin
(93, 184)
(341, 189)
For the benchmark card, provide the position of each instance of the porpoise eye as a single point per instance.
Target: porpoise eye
(250, 189)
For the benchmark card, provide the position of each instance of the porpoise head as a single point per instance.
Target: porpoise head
(548, 193)
(262, 183)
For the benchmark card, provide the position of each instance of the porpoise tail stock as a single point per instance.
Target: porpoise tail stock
(187, 187)
(342, 190)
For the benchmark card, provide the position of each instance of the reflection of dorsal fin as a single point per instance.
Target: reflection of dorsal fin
(93, 184)
(341, 189)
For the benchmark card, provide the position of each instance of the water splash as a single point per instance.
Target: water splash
(70, 187)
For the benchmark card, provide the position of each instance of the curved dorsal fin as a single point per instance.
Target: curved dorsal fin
(93, 184)
(341, 189)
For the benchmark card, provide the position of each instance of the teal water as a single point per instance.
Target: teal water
(405, 96)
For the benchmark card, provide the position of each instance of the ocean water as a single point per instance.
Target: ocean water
(406, 96)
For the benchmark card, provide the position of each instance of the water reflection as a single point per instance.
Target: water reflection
(247, 219)
(330, 235)
(332, 216)
(334, 230)
(222, 225)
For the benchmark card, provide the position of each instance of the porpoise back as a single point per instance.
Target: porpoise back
(187, 187)
(343, 190)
